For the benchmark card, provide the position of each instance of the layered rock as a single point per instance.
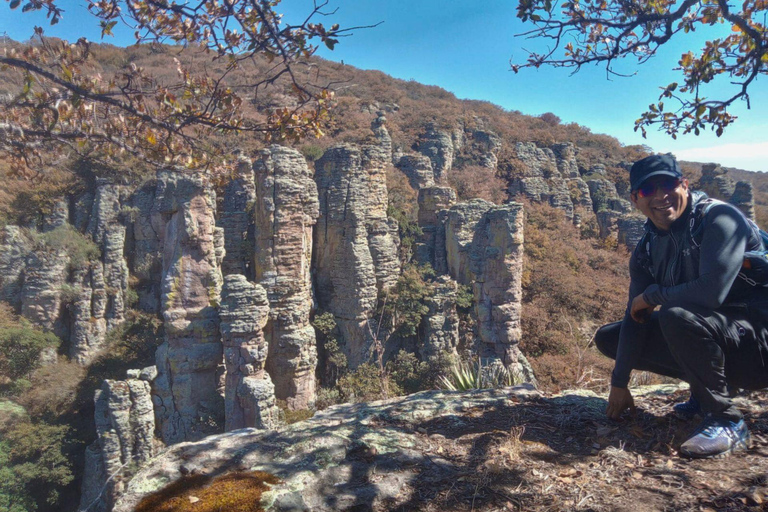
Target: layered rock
(437, 145)
(345, 277)
(716, 183)
(236, 220)
(187, 403)
(249, 392)
(380, 132)
(286, 210)
(383, 237)
(440, 325)
(101, 287)
(541, 180)
(418, 169)
(486, 146)
(484, 245)
(45, 276)
(125, 427)
(145, 255)
(630, 230)
(431, 247)
(15, 246)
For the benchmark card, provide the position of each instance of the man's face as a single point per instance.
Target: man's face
(662, 199)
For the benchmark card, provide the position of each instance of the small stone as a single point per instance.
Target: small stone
(194, 499)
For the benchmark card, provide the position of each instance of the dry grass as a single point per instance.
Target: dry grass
(234, 492)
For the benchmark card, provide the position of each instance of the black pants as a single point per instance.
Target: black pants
(709, 349)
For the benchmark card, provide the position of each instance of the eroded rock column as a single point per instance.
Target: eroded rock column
(285, 211)
(484, 245)
(249, 392)
(236, 220)
(125, 426)
(101, 287)
(187, 403)
(344, 272)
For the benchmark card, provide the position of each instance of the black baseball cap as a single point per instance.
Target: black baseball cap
(654, 165)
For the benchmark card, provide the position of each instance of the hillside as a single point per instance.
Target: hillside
(422, 236)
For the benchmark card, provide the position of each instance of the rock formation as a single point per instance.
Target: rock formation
(440, 325)
(101, 287)
(45, 275)
(15, 246)
(418, 169)
(249, 392)
(285, 211)
(431, 247)
(236, 220)
(437, 145)
(484, 246)
(345, 277)
(187, 403)
(542, 181)
(716, 183)
(145, 255)
(125, 427)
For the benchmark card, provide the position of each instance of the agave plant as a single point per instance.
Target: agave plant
(467, 375)
(464, 376)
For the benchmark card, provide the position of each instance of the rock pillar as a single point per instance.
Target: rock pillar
(187, 403)
(249, 392)
(286, 209)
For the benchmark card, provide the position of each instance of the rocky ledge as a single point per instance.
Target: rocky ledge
(507, 449)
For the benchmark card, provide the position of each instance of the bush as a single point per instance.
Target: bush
(33, 467)
(79, 247)
(20, 349)
(408, 375)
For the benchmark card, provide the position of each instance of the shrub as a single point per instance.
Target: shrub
(408, 375)
(364, 384)
(20, 349)
(33, 467)
(79, 247)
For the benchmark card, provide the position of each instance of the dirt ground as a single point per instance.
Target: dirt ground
(561, 453)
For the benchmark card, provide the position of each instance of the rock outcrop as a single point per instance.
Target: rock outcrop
(437, 145)
(327, 462)
(236, 220)
(249, 393)
(45, 276)
(484, 246)
(541, 180)
(418, 169)
(433, 203)
(125, 427)
(187, 403)
(286, 209)
(345, 277)
(101, 287)
(441, 323)
(356, 244)
(15, 246)
(716, 183)
(145, 255)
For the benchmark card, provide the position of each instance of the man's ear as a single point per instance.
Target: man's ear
(685, 183)
(633, 198)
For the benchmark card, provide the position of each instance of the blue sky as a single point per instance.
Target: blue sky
(466, 47)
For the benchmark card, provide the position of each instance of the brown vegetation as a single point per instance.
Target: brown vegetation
(235, 492)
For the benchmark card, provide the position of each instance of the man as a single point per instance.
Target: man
(710, 328)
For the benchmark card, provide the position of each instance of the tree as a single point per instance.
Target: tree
(604, 31)
(62, 103)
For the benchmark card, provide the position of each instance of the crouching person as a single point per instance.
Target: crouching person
(691, 313)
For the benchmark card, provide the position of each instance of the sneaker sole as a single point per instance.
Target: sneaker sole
(745, 444)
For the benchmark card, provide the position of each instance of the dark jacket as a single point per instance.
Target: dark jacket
(679, 273)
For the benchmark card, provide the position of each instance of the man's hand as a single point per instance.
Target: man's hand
(619, 400)
(640, 311)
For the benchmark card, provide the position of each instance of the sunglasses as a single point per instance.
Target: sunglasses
(666, 184)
